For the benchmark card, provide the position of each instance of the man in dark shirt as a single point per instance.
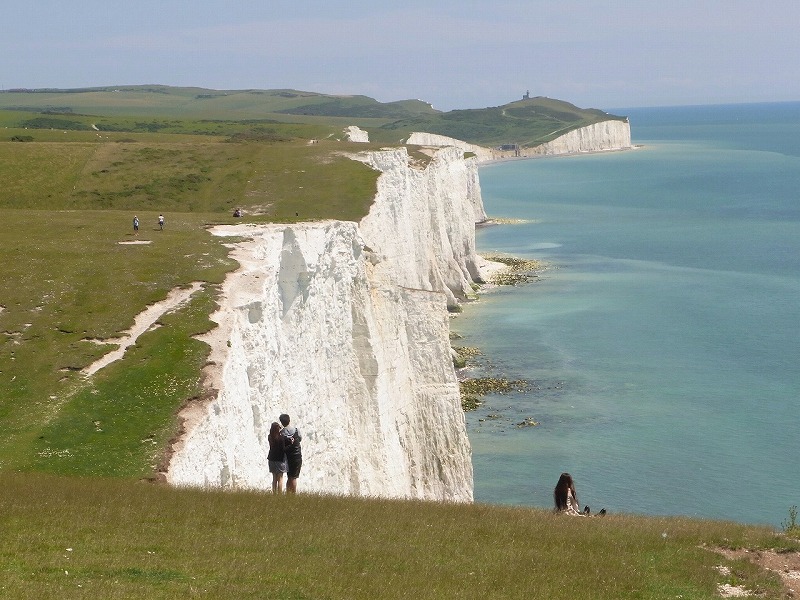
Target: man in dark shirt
(294, 456)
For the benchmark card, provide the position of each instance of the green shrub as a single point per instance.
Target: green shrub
(790, 525)
(54, 123)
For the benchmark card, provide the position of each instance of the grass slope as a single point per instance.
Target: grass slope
(67, 282)
(100, 538)
(160, 172)
(198, 103)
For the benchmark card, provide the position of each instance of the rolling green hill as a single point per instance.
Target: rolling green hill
(198, 103)
(528, 122)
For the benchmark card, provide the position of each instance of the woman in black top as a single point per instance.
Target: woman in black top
(276, 457)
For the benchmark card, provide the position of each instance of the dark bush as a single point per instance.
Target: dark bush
(54, 123)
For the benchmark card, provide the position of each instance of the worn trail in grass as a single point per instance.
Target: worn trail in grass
(75, 284)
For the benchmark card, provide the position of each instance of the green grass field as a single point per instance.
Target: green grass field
(69, 280)
(104, 538)
(80, 515)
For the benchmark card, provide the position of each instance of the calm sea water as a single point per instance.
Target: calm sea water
(663, 343)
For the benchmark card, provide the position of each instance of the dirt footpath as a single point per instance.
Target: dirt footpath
(785, 564)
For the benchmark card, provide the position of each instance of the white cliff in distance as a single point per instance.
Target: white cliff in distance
(434, 140)
(599, 137)
(345, 327)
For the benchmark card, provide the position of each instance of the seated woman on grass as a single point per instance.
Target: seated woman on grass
(565, 498)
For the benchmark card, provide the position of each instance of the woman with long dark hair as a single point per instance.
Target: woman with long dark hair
(276, 457)
(564, 495)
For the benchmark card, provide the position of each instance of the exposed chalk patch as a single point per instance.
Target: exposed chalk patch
(144, 321)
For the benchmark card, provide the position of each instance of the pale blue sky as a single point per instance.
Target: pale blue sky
(453, 54)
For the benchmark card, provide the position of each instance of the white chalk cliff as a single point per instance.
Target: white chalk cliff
(599, 137)
(345, 327)
(434, 140)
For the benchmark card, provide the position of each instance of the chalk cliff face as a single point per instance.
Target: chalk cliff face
(606, 135)
(422, 138)
(422, 223)
(345, 327)
(603, 136)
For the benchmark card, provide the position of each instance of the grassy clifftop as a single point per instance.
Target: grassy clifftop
(74, 274)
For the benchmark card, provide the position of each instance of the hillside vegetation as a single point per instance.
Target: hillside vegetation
(528, 122)
(78, 513)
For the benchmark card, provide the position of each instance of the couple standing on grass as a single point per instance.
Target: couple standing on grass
(285, 456)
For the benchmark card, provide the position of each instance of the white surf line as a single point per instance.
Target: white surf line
(144, 321)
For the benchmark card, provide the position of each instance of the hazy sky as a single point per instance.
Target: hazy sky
(452, 53)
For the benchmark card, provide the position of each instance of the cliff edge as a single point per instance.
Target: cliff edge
(345, 327)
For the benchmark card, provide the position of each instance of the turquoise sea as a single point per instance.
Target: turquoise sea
(662, 344)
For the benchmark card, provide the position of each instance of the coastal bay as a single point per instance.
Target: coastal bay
(660, 345)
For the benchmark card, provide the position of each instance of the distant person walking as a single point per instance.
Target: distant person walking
(161, 222)
(276, 457)
(135, 223)
(294, 456)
